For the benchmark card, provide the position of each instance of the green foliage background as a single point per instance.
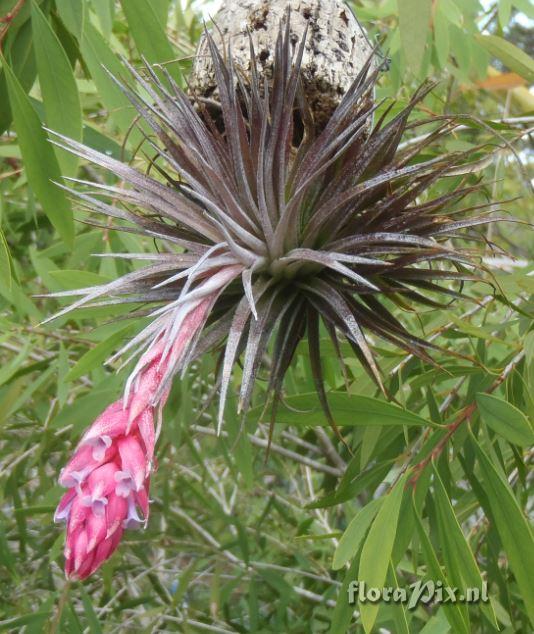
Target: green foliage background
(238, 543)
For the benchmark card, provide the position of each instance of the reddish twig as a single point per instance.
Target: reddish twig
(8, 20)
(464, 415)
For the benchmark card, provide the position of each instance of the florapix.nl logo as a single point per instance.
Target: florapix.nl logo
(420, 592)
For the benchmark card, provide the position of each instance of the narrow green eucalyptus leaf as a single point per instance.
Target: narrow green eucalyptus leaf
(437, 624)
(161, 9)
(103, 143)
(434, 572)
(505, 419)
(343, 612)
(70, 279)
(505, 12)
(442, 38)
(526, 7)
(183, 583)
(8, 370)
(40, 162)
(349, 488)
(529, 361)
(72, 12)
(399, 612)
(351, 539)
(10, 150)
(62, 369)
(377, 549)
(97, 355)
(90, 613)
(104, 11)
(5, 261)
(318, 538)
(22, 59)
(452, 11)
(460, 46)
(509, 54)
(29, 390)
(453, 538)
(350, 410)
(512, 526)
(474, 331)
(19, 300)
(414, 24)
(100, 58)
(277, 582)
(149, 35)
(241, 448)
(85, 409)
(13, 624)
(58, 87)
(7, 558)
(370, 438)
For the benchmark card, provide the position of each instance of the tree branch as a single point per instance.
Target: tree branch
(8, 20)
(282, 451)
(464, 415)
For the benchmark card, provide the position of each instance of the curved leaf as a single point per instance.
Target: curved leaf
(377, 549)
(73, 15)
(509, 54)
(505, 419)
(351, 539)
(349, 410)
(512, 527)
(39, 159)
(58, 87)
(149, 36)
(5, 261)
(460, 561)
(452, 610)
(99, 59)
(414, 23)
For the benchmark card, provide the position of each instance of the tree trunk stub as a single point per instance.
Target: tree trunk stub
(336, 49)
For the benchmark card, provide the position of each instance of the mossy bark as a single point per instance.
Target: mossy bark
(336, 49)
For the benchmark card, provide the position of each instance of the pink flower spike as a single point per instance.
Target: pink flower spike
(104, 551)
(69, 550)
(110, 424)
(78, 514)
(151, 355)
(99, 485)
(116, 511)
(85, 569)
(133, 464)
(132, 521)
(143, 501)
(191, 324)
(69, 566)
(96, 528)
(78, 467)
(63, 508)
(145, 425)
(149, 381)
(109, 475)
(99, 445)
(77, 557)
(80, 549)
(125, 484)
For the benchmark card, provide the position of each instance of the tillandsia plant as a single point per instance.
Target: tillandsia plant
(273, 229)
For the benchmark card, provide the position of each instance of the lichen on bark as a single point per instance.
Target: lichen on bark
(336, 47)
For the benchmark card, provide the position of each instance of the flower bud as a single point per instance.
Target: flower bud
(106, 496)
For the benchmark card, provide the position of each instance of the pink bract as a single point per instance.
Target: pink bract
(108, 476)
